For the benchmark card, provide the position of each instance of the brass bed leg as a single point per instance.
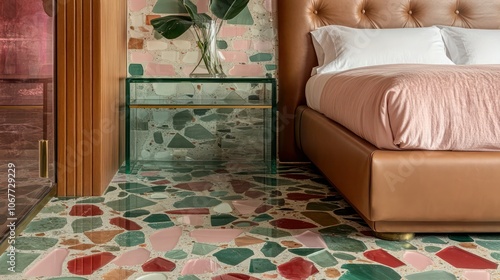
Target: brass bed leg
(394, 236)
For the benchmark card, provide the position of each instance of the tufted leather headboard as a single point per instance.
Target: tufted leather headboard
(296, 54)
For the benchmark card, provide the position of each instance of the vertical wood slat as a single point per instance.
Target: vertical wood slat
(91, 63)
(110, 71)
(97, 168)
(79, 46)
(70, 150)
(61, 45)
(87, 98)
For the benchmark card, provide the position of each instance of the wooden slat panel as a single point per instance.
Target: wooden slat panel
(91, 71)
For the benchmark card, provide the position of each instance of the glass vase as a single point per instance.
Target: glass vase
(209, 64)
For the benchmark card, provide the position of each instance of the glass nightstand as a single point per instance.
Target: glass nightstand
(200, 120)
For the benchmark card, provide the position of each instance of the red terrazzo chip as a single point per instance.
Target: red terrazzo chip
(158, 264)
(161, 182)
(234, 276)
(303, 196)
(241, 186)
(291, 224)
(89, 264)
(85, 210)
(381, 256)
(125, 223)
(297, 268)
(460, 258)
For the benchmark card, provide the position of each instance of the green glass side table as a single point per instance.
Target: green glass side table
(200, 120)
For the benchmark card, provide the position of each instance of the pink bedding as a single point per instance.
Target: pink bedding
(430, 107)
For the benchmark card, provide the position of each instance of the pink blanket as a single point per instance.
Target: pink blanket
(430, 107)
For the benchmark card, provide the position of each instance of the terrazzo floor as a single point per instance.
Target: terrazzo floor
(229, 221)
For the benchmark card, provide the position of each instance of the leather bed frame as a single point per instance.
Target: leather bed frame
(394, 191)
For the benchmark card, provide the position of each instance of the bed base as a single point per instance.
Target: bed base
(401, 192)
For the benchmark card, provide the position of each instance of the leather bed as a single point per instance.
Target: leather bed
(396, 192)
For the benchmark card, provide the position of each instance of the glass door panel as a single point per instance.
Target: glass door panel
(27, 115)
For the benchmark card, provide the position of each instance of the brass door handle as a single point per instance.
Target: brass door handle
(43, 158)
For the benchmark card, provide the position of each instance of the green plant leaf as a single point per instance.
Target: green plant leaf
(243, 18)
(227, 9)
(172, 27)
(193, 12)
(191, 8)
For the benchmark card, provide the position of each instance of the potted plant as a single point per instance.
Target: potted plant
(205, 27)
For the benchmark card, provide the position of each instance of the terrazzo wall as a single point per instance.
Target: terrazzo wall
(248, 44)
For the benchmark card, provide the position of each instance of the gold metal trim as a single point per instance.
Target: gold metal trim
(20, 107)
(394, 236)
(43, 158)
(200, 106)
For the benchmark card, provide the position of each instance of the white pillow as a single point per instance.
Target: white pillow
(346, 48)
(320, 55)
(472, 46)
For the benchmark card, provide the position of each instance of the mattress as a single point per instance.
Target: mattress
(414, 107)
(314, 89)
